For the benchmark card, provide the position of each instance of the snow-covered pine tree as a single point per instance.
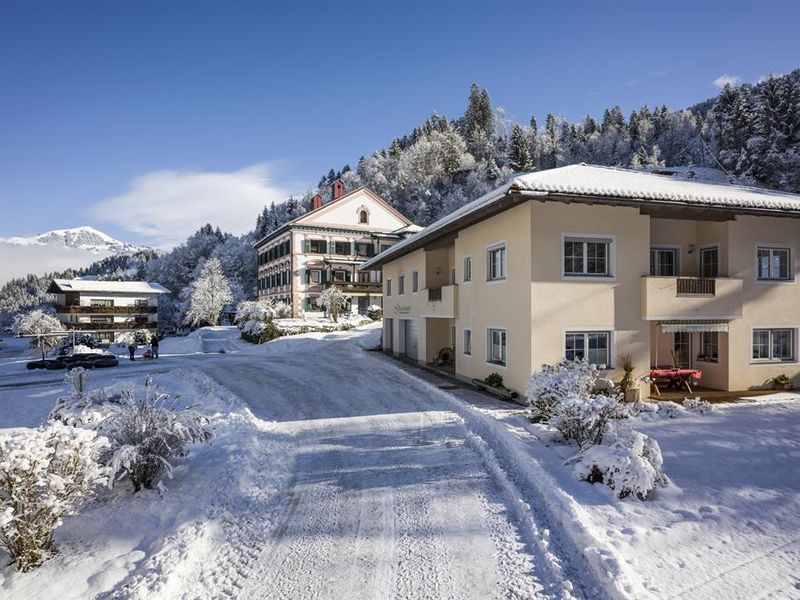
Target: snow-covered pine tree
(520, 150)
(548, 143)
(210, 293)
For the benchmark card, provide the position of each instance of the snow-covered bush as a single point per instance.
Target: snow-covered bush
(147, 432)
(697, 405)
(255, 320)
(82, 407)
(586, 419)
(140, 337)
(45, 475)
(38, 322)
(332, 300)
(669, 410)
(78, 339)
(282, 310)
(552, 383)
(374, 312)
(630, 465)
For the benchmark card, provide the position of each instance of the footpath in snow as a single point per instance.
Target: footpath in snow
(338, 472)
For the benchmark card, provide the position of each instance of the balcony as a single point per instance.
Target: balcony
(665, 298)
(110, 326)
(76, 309)
(442, 302)
(357, 287)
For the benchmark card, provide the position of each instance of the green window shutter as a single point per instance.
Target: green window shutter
(324, 276)
(307, 246)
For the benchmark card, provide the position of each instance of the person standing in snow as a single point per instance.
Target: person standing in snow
(131, 351)
(154, 345)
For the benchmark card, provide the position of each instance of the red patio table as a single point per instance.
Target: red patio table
(676, 377)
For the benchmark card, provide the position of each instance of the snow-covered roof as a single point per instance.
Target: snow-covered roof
(122, 287)
(594, 182)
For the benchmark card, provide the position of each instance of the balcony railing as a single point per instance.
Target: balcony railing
(99, 326)
(76, 309)
(696, 286)
(357, 286)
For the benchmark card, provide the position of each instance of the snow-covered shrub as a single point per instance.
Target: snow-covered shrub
(697, 405)
(332, 300)
(38, 322)
(82, 407)
(669, 410)
(282, 310)
(140, 337)
(45, 475)
(585, 419)
(85, 350)
(146, 433)
(630, 465)
(552, 383)
(79, 339)
(374, 312)
(255, 320)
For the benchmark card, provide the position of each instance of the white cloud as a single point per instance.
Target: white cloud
(724, 80)
(167, 206)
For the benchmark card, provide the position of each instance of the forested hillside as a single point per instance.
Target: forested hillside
(752, 132)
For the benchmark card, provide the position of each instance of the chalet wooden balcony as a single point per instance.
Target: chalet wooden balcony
(76, 309)
(665, 298)
(357, 287)
(110, 326)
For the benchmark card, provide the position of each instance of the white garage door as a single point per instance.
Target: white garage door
(411, 337)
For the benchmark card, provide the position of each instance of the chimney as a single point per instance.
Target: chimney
(338, 189)
(316, 201)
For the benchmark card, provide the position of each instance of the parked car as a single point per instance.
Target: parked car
(91, 360)
(48, 363)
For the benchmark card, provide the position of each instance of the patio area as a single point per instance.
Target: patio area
(713, 396)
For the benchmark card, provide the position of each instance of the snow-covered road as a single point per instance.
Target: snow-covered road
(383, 496)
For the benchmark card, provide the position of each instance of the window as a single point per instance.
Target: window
(587, 257)
(496, 346)
(363, 217)
(468, 341)
(341, 248)
(385, 247)
(99, 303)
(773, 264)
(496, 263)
(140, 303)
(709, 262)
(467, 268)
(414, 281)
(314, 276)
(388, 287)
(340, 276)
(663, 262)
(709, 346)
(316, 246)
(773, 345)
(401, 285)
(594, 346)
(101, 319)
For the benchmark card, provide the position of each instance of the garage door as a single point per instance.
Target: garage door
(411, 339)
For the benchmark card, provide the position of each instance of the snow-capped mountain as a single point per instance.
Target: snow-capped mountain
(83, 238)
(58, 250)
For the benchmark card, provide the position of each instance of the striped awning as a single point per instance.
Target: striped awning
(694, 326)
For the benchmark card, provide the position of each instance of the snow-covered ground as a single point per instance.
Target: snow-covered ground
(337, 472)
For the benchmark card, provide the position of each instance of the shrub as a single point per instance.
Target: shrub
(38, 322)
(697, 405)
(67, 344)
(282, 310)
(552, 383)
(147, 432)
(669, 409)
(626, 364)
(81, 408)
(254, 319)
(494, 380)
(140, 337)
(45, 475)
(630, 465)
(585, 419)
(374, 312)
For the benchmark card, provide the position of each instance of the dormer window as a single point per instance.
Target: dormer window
(363, 217)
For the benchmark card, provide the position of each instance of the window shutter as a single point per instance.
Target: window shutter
(352, 248)
(324, 277)
(306, 246)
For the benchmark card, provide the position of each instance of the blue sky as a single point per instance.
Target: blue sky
(113, 109)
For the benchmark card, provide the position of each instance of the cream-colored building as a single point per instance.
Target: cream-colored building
(597, 262)
(106, 308)
(326, 247)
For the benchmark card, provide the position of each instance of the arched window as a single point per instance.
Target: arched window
(363, 217)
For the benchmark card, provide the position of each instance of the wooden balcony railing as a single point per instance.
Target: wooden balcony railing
(107, 310)
(110, 326)
(696, 286)
(357, 286)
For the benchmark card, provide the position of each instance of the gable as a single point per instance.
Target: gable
(345, 212)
